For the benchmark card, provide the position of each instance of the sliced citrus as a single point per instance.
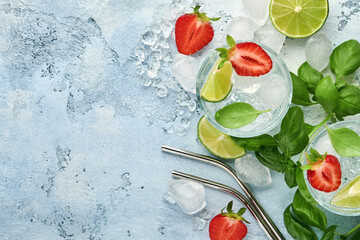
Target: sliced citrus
(218, 85)
(298, 18)
(349, 196)
(218, 143)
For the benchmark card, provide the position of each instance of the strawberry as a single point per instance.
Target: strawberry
(193, 31)
(247, 58)
(323, 171)
(228, 226)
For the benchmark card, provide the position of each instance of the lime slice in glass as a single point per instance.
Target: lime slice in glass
(218, 143)
(218, 85)
(298, 18)
(349, 196)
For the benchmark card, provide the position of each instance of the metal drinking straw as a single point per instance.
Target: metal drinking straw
(276, 234)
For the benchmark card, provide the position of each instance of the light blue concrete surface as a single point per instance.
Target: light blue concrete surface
(80, 137)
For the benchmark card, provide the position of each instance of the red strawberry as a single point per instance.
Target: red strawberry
(323, 171)
(247, 58)
(228, 226)
(193, 32)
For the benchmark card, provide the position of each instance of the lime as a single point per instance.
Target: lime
(298, 18)
(349, 196)
(218, 143)
(218, 85)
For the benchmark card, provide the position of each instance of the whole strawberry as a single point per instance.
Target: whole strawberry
(247, 58)
(228, 226)
(323, 171)
(193, 31)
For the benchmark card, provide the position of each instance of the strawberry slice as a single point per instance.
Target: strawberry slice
(193, 32)
(323, 171)
(228, 226)
(247, 58)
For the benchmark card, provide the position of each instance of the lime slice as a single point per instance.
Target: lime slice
(298, 18)
(349, 196)
(218, 85)
(218, 143)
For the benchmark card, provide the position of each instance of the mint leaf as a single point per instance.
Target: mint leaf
(236, 115)
(345, 58)
(254, 143)
(345, 141)
(300, 93)
(327, 94)
(349, 101)
(296, 228)
(310, 76)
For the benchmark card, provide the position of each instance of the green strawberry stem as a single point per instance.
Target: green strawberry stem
(202, 16)
(237, 216)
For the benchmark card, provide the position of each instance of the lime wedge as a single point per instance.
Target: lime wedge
(218, 85)
(349, 196)
(218, 143)
(298, 18)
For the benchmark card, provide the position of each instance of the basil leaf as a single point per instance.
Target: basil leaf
(309, 128)
(345, 141)
(253, 143)
(307, 212)
(300, 93)
(345, 58)
(356, 235)
(236, 115)
(349, 103)
(340, 83)
(297, 229)
(302, 185)
(292, 137)
(327, 94)
(310, 76)
(329, 233)
(290, 174)
(272, 158)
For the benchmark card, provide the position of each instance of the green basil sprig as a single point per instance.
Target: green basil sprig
(296, 228)
(300, 93)
(329, 233)
(254, 143)
(310, 76)
(327, 94)
(345, 141)
(349, 101)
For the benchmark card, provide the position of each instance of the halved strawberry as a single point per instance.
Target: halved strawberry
(228, 226)
(247, 58)
(323, 171)
(193, 32)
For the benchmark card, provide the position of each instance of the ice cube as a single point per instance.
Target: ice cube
(247, 84)
(162, 41)
(269, 36)
(198, 224)
(145, 81)
(318, 49)
(190, 196)
(272, 91)
(173, 85)
(169, 198)
(140, 69)
(241, 29)
(250, 170)
(173, 12)
(185, 69)
(185, 120)
(324, 145)
(153, 69)
(192, 105)
(140, 53)
(166, 56)
(155, 27)
(180, 131)
(161, 91)
(206, 214)
(166, 28)
(183, 98)
(149, 38)
(157, 82)
(258, 10)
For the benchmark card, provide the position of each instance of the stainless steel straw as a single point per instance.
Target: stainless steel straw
(262, 213)
(265, 227)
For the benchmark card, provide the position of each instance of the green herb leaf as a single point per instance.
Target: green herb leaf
(241, 211)
(221, 64)
(236, 115)
(292, 137)
(327, 94)
(297, 229)
(222, 50)
(340, 83)
(307, 212)
(230, 41)
(272, 158)
(300, 93)
(290, 174)
(345, 141)
(329, 233)
(253, 143)
(345, 58)
(229, 207)
(356, 235)
(302, 185)
(309, 128)
(310, 76)
(315, 153)
(215, 19)
(349, 102)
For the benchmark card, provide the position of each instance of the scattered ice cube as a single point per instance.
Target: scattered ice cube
(190, 196)
(173, 12)
(206, 214)
(169, 198)
(318, 50)
(153, 69)
(272, 91)
(166, 28)
(250, 170)
(140, 53)
(140, 69)
(269, 36)
(183, 99)
(157, 82)
(145, 81)
(149, 38)
(241, 28)
(169, 128)
(192, 105)
(185, 69)
(166, 56)
(155, 56)
(162, 41)
(198, 224)
(173, 85)
(161, 91)
(180, 131)
(185, 120)
(155, 27)
(155, 47)
(258, 10)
